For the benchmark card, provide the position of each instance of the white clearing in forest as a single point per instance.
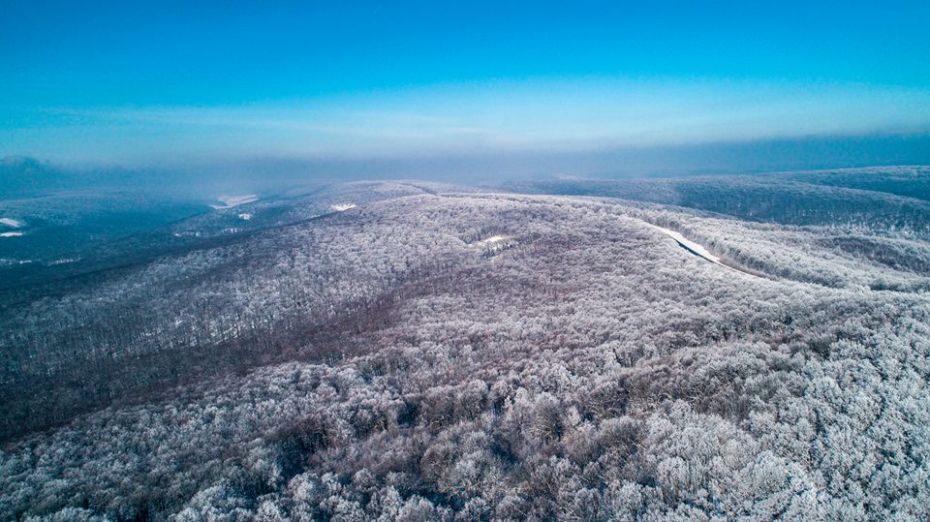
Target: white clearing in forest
(689, 245)
(698, 250)
(342, 207)
(11, 234)
(245, 216)
(493, 239)
(235, 201)
(10, 222)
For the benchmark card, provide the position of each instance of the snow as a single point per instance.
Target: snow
(698, 249)
(691, 246)
(245, 216)
(64, 261)
(10, 222)
(6, 261)
(342, 207)
(494, 243)
(11, 234)
(235, 201)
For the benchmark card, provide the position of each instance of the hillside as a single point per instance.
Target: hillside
(547, 350)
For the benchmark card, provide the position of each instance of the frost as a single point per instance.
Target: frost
(381, 367)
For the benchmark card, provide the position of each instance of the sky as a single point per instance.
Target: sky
(141, 82)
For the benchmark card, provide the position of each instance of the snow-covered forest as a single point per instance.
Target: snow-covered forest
(530, 351)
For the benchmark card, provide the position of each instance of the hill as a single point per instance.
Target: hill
(417, 351)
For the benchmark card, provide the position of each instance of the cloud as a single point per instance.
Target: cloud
(563, 115)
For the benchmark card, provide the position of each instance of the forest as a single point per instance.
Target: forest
(533, 350)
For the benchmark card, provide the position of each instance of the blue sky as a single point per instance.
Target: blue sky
(137, 81)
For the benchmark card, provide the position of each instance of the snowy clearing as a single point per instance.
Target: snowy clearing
(697, 249)
(245, 216)
(491, 240)
(494, 244)
(10, 222)
(689, 245)
(235, 201)
(342, 207)
(11, 234)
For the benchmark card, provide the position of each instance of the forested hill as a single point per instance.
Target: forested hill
(879, 200)
(416, 351)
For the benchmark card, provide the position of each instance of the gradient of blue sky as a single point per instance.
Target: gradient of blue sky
(131, 81)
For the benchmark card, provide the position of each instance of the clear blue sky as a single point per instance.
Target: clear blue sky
(128, 81)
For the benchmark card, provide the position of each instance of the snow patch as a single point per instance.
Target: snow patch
(342, 207)
(494, 244)
(11, 234)
(6, 261)
(245, 216)
(698, 249)
(493, 239)
(691, 246)
(64, 261)
(235, 201)
(12, 223)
